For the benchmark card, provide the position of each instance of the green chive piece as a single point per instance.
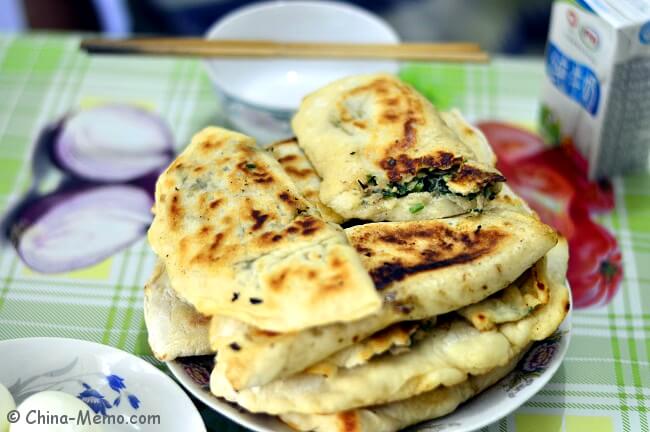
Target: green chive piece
(416, 208)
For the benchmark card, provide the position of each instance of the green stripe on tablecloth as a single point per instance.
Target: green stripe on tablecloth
(113, 310)
(6, 285)
(615, 407)
(126, 324)
(618, 371)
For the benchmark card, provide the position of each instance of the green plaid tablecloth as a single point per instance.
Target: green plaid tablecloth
(604, 382)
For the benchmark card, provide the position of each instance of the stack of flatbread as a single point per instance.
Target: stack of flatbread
(370, 273)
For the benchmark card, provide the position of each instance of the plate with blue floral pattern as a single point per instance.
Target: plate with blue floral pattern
(126, 392)
(534, 370)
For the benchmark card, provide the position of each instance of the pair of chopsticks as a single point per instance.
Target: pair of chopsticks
(195, 47)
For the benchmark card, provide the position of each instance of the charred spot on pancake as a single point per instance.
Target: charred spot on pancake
(205, 230)
(259, 218)
(467, 247)
(393, 238)
(256, 172)
(286, 277)
(446, 245)
(362, 250)
(255, 300)
(409, 139)
(567, 306)
(380, 87)
(287, 158)
(540, 286)
(299, 173)
(308, 225)
(430, 254)
(202, 201)
(269, 237)
(183, 245)
(348, 422)
(285, 196)
(215, 203)
(257, 332)
(277, 282)
(468, 174)
(211, 143)
(331, 285)
(397, 167)
(235, 296)
(235, 346)
(175, 212)
(216, 241)
(264, 179)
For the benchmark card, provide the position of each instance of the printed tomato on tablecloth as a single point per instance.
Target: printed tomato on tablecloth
(554, 182)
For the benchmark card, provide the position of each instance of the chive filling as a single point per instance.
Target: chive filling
(416, 208)
(427, 180)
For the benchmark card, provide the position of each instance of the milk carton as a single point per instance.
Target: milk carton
(596, 88)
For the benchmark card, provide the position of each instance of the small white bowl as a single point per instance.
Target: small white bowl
(259, 96)
(122, 388)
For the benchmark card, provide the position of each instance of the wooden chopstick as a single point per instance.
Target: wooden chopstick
(195, 47)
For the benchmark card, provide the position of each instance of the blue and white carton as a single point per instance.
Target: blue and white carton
(596, 89)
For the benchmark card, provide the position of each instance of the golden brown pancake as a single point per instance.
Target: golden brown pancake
(175, 328)
(395, 416)
(446, 355)
(385, 153)
(422, 269)
(238, 239)
(294, 162)
(513, 303)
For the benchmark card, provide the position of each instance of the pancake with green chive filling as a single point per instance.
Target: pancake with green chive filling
(385, 153)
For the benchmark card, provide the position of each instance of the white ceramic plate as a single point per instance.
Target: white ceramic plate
(110, 381)
(531, 374)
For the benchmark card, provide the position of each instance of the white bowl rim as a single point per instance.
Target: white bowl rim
(266, 5)
(326, 4)
(132, 357)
